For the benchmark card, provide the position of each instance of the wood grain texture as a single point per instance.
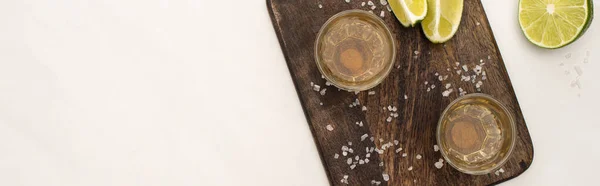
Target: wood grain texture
(297, 23)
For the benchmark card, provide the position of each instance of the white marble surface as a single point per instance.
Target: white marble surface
(196, 92)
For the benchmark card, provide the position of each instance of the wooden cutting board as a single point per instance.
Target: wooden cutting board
(415, 87)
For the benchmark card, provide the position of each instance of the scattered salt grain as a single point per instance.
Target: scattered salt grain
(404, 154)
(373, 182)
(349, 161)
(383, 2)
(436, 74)
(380, 139)
(360, 162)
(398, 150)
(382, 14)
(465, 68)
(363, 137)
(350, 144)
(344, 153)
(389, 119)
(345, 179)
(372, 139)
(370, 3)
(489, 57)
(418, 156)
(477, 23)
(312, 84)
(428, 89)
(439, 164)
(344, 148)
(448, 85)
(578, 70)
(321, 103)
(446, 93)
(386, 177)
(363, 4)
(436, 148)
(347, 1)
(356, 157)
(336, 156)
(373, 7)
(416, 52)
(323, 91)
(426, 82)
(352, 166)
(366, 160)
(440, 78)
(478, 85)
(329, 127)
(381, 164)
(371, 92)
(320, 6)
(405, 97)
(477, 69)
(351, 150)
(316, 88)
(368, 155)
(371, 11)
(389, 8)
(396, 142)
(364, 108)
(410, 168)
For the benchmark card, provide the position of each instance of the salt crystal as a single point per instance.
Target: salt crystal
(578, 70)
(312, 84)
(368, 155)
(381, 164)
(432, 86)
(405, 97)
(373, 7)
(426, 82)
(458, 72)
(478, 85)
(350, 150)
(410, 168)
(347, 1)
(316, 88)
(383, 2)
(477, 69)
(372, 139)
(352, 166)
(357, 101)
(349, 161)
(389, 8)
(404, 154)
(356, 157)
(448, 85)
(370, 3)
(363, 4)
(329, 127)
(344, 153)
(321, 103)
(428, 89)
(477, 23)
(439, 164)
(327, 83)
(436, 74)
(398, 150)
(465, 68)
(364, 108)
(360, 124)
(389, 119)
(480, 60)
(335, 156)
(380, 139)
(389, 108)
(382, 14)
(396, 142)
(350, 143)
(457, 63)
(501, 170)
(395, 115)
(386, 177)
(344, 148)
(436, 148)
(363, 137)
(371, 92)
(360, 162)
(320, 6)
(323, 92)
(446, 93)
(440, 78)
(419, 156)
(416, 52)
(366, 160)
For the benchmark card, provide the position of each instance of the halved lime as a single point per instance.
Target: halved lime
(554, 23)
(442, 20)
(409, 12)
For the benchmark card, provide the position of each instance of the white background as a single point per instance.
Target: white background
(196, 92)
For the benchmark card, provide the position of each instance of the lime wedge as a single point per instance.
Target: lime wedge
(442, 20)
(409, 12)
(554, 23)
